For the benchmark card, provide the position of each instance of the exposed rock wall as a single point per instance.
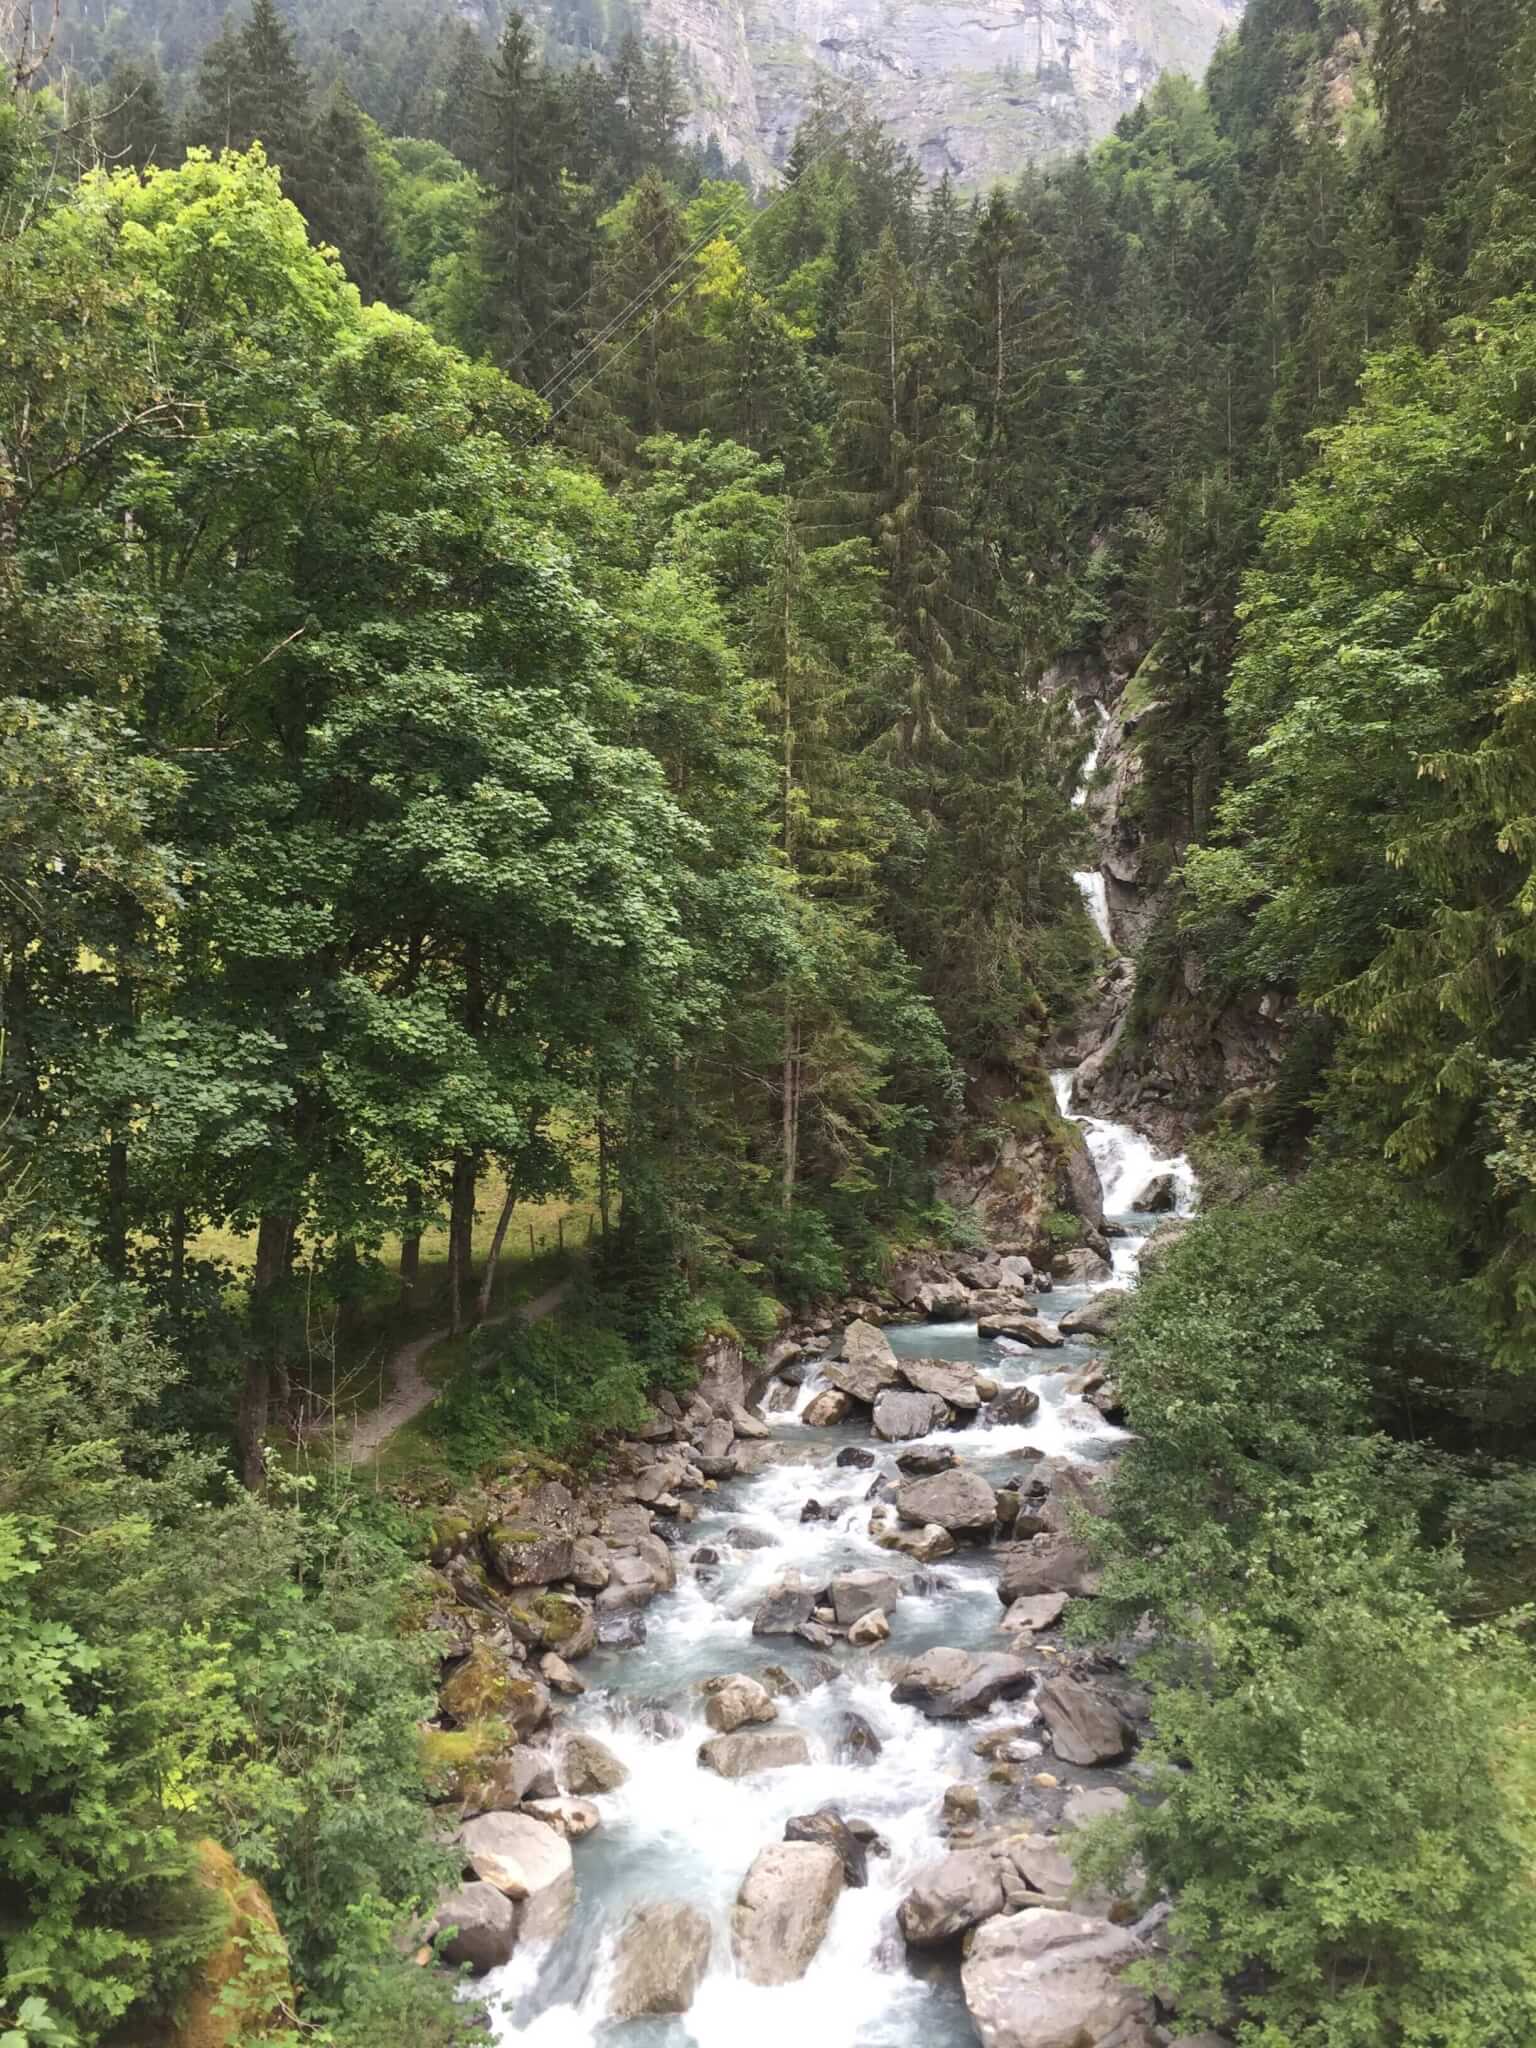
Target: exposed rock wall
(973, 89)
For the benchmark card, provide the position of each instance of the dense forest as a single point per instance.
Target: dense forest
(535, 677)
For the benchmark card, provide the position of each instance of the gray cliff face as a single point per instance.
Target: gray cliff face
(976, 89)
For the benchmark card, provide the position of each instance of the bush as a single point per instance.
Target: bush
(1331, 1811)
(549, 1389)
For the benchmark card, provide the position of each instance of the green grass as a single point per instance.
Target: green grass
(347, 1374)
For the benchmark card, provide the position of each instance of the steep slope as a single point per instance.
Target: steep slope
(973, 87)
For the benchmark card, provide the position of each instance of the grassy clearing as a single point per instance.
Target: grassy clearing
(349, 1347)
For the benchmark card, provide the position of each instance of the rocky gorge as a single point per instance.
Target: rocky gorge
(775, 1723)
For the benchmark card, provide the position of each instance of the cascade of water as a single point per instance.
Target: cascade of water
(1090, 881)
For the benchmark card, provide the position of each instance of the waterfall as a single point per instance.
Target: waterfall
(1090, 881)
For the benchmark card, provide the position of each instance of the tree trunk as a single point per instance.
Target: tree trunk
(791, 1093)
(410, 1269)
(274, 1249)
(178, 1249)
(461, 1224)
(488, 1277)
(114, 1248)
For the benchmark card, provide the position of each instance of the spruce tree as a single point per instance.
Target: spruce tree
(251, 87)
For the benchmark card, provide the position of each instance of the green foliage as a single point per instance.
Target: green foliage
(176, 1662)
(553, 1388)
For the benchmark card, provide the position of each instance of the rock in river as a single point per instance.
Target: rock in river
(737, 1702)
(783, 1909)
(923, 1460)
(587, 1765)
(828, 1826)
(948, 1378)
(1086, 1728)
(484, 1921)
(785, 1608)
(960, 1500)
(951, 1685)
(526, 1860)
(1096, 1318)
(1046, 1564)
(662, 1955)
(1014, 1404)
(861, 1592)
(1035, 1331)
(1053, 1980)
(867, 1365)
(899, 1417)
(827, 1408)
(744, 1754)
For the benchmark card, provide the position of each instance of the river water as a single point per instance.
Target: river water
(675, 1831)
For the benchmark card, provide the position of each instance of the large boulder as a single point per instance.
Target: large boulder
(1026, 1617)
(1035, 1331)
(956, 1893)
(737, 1702)
(1086, 1727)
(783, 1910)
(529, 1862)
(785, 1608)
(1054, 1980)
(868, 1363)
(952, 1381)
(483, 1921)
(923, 1460)
(943, 1301)
(1097, 1317)
(970, 1885)
(1013, 1404)
(631, 1583)
(524, 1556)
(900, 1417)
(1046, 1564)
(863, 1592)
(241, 1989)
(744, 1754)
(952, 1685)
(925, 1545)
(960, 1501)
(827, 1408)
(1081, 1267)
(663, 1952)
(587, 1765)
(1160, 1194)
(828, 1826)
(722, 1381)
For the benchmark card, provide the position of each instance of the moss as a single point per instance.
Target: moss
(559, 1617)
(243, 1985)
(452, 1533)
(481, 1686)
(453, 1759)
(508, 1532)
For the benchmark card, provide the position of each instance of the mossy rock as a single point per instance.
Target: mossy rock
(560, 1617)
(481, 1687)
(453, 1760)
(243, 1989)
(452, 1533)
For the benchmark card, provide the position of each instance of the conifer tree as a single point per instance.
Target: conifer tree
(251, 87)
(535, 242)
(348, 207)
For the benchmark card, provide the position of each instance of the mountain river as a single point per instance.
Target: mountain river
(675, 1831)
